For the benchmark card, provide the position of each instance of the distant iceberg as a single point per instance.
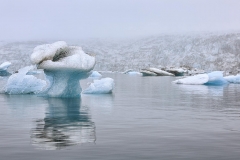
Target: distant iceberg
(102, 86)
(95, 74)
(21, 83)
(4, 66)
(155, 72)
(64, 66)
(213, 78)
(233, 79)
(134, 73)
(3, 69)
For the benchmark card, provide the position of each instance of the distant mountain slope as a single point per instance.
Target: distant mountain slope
(204, 51)
(208, 51)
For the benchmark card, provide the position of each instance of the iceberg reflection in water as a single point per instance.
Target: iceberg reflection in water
(66, 123)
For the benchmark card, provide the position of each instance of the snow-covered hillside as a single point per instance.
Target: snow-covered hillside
(208, 51)
(203, 51)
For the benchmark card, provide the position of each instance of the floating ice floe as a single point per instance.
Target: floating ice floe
(20, 83)
(176, 71)
(102, 86)
(233, 79)
(134, 73)
(3, 69)
(64, 66)
(95, 74)
(155, 72)
(213, 78)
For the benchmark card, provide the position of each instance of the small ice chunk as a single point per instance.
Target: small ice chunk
(233, 79)
(95, 74)
(134, 73)
(193, 80)
(20, 83)
(102, 86)
(4, 66)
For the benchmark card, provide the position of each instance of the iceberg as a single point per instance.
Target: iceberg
(95, 74)
(64, 66)
(216, 78)
(159, 72)
(3, 69)
(213, 78)
(147, 73)
(233, 79)
(176, 71)
(21, 83)
(193, 80)
(102, 86)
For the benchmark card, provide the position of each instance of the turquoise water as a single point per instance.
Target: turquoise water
(144, 118)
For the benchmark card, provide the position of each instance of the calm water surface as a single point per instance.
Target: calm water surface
(144, 118)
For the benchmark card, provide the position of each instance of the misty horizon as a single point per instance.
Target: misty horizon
(66, 20)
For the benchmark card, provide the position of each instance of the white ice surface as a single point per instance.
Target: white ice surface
(20, 83)
(102, 86)
(193, 80)
(47, 51)
(213, 78)
(59, 56)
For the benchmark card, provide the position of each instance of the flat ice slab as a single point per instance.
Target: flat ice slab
(102, 86)
(213, 78)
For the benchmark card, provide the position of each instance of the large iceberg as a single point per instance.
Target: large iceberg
(21, 83)
(64, 66)
(213, 78)
(102, 86)
(233, 79)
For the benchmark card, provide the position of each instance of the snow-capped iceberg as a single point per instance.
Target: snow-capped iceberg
(213, 78)
(95, 74)
(233, 79)
(64, 66)
(20, 83)
(104, 85)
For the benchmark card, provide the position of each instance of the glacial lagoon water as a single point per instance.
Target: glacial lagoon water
(144, 118)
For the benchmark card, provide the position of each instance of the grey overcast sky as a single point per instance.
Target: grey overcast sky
(78, 19)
